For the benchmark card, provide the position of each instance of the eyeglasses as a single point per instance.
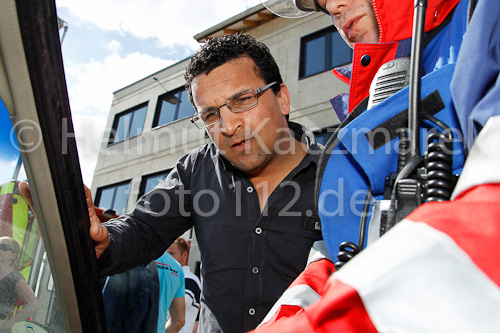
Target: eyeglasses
(238, 103)
(5, 247)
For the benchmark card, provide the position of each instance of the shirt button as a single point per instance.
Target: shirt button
(258, 231)
(255, 270)
(365, 60)
(251, 312)
(249, 189)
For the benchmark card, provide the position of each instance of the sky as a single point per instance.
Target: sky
(9, 152)
(113, 43)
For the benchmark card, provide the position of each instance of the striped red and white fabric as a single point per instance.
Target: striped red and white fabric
(437, 271)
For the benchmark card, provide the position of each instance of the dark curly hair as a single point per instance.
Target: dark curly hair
(219, 50)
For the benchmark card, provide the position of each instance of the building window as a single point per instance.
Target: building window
(324, 134)
(172, 106)
(128, 124)
(322, 51)
(150, 181)
(113, 197)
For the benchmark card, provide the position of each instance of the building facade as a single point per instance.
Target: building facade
(149, 125)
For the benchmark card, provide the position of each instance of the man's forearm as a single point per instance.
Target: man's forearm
(174, 326)
(177, 315)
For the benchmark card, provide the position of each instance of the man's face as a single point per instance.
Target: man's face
(354, 19)
(175, 252)
(249, 139)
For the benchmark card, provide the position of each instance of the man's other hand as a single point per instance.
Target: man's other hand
(98, 232)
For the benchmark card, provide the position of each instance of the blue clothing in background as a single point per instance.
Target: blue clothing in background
(131, 300)
(476, 82)
(172, 285)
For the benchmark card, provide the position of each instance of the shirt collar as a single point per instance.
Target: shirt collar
(304, 134)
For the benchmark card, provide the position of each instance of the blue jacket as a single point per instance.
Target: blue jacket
(131, 300)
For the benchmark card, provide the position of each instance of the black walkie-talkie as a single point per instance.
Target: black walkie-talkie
(419, 178)
(406, 187)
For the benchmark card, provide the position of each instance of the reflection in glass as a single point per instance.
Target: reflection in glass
(168, 104)
(322, 51)
(107, 198)
(341, 52)
(113, 197)
(151, 182)
(128, 124)
(27, 294)
(122, 129)
(185, 107)
(120, 203)
(315, 56)
(322, 138)
(137, 122)
(172, 106)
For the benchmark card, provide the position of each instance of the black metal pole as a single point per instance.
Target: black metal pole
(415, 73)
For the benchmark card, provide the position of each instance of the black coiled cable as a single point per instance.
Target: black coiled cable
(438, 162)
(347, 251)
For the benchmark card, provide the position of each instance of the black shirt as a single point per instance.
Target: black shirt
(248, 258)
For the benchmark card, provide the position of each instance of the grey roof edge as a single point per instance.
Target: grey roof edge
(228, 22)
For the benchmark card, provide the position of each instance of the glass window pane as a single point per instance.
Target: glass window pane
(314, 56)
(122, 128)
(106, 198)
(167, 109)
(121, 198)
(341, 52)
(152, 181)
(185, 107)
(323, 137)
(138, 121)
(19, 234)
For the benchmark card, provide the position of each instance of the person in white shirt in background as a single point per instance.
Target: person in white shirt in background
(180, 251)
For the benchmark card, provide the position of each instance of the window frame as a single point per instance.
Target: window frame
(33, 71)
(99, 191)
(159, 104)
(116, 121)
(144, 178)
(328, 65)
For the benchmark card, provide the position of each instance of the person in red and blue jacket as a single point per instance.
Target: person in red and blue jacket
(436, 271)
(351, 167)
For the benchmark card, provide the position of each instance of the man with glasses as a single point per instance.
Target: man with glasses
(248, 193)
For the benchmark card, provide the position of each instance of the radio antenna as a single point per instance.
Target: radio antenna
(415, 73)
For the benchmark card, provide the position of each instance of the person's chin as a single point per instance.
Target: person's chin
(372, 38)
(346, 39)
